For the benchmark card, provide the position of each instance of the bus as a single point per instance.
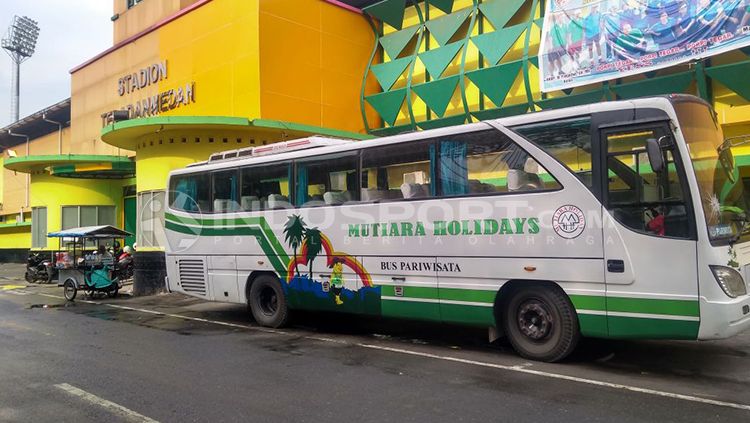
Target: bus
(621, 219)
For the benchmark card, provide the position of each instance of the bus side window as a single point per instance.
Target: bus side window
(190, 193)
(569, 141)
(488, 162)
(225, 191)
(265, 187)
(637, 197)
(397, 172)
(328, 180)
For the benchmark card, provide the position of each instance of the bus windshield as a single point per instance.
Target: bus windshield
(719, 182)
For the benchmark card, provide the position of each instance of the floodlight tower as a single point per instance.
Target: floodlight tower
(20, 44)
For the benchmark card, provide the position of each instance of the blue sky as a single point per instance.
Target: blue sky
(72, 31)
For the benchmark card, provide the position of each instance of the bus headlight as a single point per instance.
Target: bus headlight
(729, 280)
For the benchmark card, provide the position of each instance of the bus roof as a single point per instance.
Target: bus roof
(329, 145)
(275, 148)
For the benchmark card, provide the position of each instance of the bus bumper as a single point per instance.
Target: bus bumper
(724, 319)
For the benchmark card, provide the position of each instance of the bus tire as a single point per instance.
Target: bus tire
(541, 323)
(267, 302)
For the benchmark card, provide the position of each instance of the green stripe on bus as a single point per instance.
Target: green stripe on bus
(635, 327)
(589, 302)
(654, 306)
(276, 261)
(452, 294)
(593, 325)
(688, 308)
(410, 310)
(467, 314)
(243, 222)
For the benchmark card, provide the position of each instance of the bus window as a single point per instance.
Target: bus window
(637, 197)
(265, 187)
(569, 141)
(225, 191)
(190, 193)
(328, 180)
(396, 172)
(488, 162)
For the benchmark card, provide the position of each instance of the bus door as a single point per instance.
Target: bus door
(650, 246)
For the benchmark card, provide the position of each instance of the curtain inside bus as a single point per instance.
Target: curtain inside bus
(302, 180)
(454, 171)
(187, 191)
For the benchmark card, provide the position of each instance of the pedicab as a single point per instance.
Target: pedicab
(84, 264)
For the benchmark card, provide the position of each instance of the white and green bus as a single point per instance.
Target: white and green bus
(614, 220)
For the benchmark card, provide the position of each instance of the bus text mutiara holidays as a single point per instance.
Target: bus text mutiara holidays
(506, 226)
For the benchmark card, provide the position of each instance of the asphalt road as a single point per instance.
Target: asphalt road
(176, 359)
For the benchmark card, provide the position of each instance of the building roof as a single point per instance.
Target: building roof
(34, 125)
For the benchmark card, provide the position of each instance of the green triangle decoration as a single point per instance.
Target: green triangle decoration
(388, 104)
(733, 76)
(388, 73)
(494, 45)
(394, 43)
(499, 12)
(670, 84)
(444, 5)
(539, 22)
(388, 11)
(534, 60)
(437, 94)
(496, 82)
(445, 27)
(442, 123)
(436, 60)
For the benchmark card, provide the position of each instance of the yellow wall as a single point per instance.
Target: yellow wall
(55, 192)
(15, 238)
(313, 56)
(13, 184)
(294, 60)
(165, 151)
(134, 20)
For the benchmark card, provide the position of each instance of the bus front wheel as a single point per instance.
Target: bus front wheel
(267, 302)
(541, 323)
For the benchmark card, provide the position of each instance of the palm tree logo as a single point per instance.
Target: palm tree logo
(314, 245)
(294, 233)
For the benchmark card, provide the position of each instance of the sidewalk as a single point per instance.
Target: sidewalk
(13, 272)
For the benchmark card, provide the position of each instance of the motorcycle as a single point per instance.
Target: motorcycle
(39, 269)
(124, 266)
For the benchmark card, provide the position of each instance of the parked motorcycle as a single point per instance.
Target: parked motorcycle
(39, 268)
(125, 267)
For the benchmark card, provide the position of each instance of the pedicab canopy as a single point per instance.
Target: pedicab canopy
(91, 232)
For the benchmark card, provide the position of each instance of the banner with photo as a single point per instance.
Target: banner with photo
(588, 41)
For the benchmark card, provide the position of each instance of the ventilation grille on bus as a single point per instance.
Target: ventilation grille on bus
(192, 276)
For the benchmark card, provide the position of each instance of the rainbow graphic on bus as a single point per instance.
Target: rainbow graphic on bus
(331, 288)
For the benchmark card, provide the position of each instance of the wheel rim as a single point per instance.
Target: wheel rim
(268, 301)
(68, 291)
(535, 320)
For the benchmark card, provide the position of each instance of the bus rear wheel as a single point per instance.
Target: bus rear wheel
(267, 302)
(541, 323)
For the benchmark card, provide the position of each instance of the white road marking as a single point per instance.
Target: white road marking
(516, 368)
(127, 413)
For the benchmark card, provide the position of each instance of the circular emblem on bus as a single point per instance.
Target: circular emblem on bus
(568, 222)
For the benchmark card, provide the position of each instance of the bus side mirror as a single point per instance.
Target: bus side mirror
(655, 155)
